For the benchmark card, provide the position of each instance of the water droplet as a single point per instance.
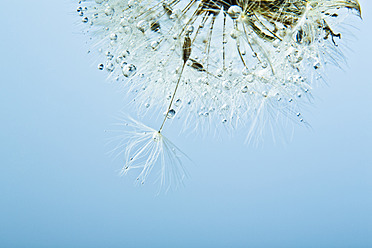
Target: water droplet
(171, 113)
(189, 30)
(294, 56)
(142, 26)
(113, 36)
(129, 70)
(234, 34)
(178, 102)
(156, 137)
(226, 84)
(225, 107)
(101, 66)
(245, 89)
(234, 11)
(316, 65)
(109, 11)
(154, 44)
(131, 3)
(110, 67)
(85, 19)
(249, 78)
(123, 22)
(245, 71)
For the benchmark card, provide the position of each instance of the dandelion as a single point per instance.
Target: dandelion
(214, 62)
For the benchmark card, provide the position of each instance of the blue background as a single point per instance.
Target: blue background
(59, 188)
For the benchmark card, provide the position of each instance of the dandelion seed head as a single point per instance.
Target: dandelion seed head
(258, 46)
(231, 62)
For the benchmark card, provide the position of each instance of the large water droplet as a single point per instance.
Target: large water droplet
(171, 114)
(234, 11)
(129, 70)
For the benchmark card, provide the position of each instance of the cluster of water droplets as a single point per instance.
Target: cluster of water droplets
(233, 74)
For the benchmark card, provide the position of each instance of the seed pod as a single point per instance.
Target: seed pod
(186, 49)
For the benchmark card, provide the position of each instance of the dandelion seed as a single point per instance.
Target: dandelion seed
(243, 59)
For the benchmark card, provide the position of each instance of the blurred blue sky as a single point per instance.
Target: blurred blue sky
(58, 187)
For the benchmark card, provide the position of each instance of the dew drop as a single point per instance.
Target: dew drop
(142, 26)
(234, 34)
(178, 102)
(110, 67)
(249, 78)
(245, 89)
(316, 65)
(154, 44)
(226, 84)
(113, 36)
(109, 11)
(156, 137)
(171, 114)
(294, 56)
(234, 11)
(129, 70)
(245, 71)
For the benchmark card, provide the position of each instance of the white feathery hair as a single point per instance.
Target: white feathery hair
(213, 63)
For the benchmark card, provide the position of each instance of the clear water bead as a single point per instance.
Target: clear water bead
(129, 70)
(171, 114)
(178, 102)
(245, 89)
(234, 11)
(156, 137)
(113, 36)
(109, 11)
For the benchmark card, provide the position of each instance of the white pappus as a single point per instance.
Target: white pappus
(213, 62)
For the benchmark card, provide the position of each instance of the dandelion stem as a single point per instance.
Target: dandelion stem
(174, 94)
